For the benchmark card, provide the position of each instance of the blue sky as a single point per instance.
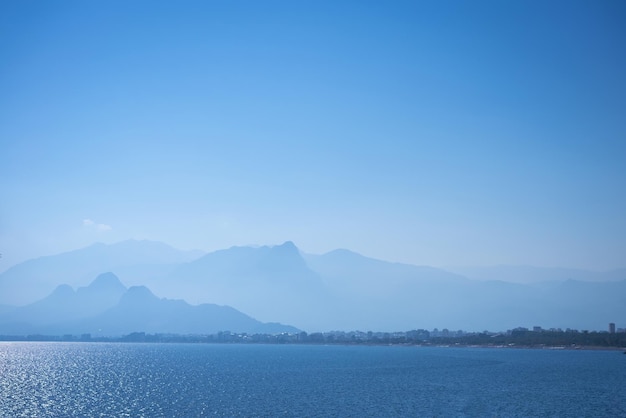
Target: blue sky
(439, 133)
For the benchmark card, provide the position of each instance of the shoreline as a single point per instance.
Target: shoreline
(194, 340)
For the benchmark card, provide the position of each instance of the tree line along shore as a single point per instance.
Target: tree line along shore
(520, 337)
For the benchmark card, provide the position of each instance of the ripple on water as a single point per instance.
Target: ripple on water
(91, 379)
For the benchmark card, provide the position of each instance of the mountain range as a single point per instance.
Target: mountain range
(532, 274)
(107, 308)
(134, 261)
(339, 290)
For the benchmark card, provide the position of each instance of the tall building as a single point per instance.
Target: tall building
(612, 328)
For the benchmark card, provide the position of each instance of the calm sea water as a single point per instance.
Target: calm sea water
(106, 379)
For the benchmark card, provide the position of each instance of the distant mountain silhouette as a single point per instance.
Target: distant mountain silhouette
(107, 308)
(65, 304)
(399, 296)
(245, 265)
(531, 274)
(266, 282)
(140, 310)
(134, 261)
(348, 271)
(337, 290)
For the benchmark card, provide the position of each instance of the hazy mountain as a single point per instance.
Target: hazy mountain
(530, 274)
(107, 308)
(133, 261)
(375, 294)
(345, 290)
(267, 282)
(140, 310)
(242, 265)
(347, 271)
(65, 304)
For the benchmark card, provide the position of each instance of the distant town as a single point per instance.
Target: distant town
(536, 337)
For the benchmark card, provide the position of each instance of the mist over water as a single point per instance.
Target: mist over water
(90, 379)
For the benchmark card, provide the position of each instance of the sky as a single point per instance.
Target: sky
(434, 133)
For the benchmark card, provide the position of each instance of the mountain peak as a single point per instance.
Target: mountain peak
(286, 247)
(63, 290)
(284, 256)
(106, 281)
(342, 252)
(138, 294)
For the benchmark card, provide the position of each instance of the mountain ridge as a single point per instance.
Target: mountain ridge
(342, 289)
(133, 260)
(533, 274)
(136, 309)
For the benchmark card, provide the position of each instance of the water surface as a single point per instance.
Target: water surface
(121, 379)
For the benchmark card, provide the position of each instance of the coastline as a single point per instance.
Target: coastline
(283, 339)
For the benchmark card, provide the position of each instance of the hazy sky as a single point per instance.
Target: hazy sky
(440, 133)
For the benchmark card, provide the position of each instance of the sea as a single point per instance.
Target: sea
(54, 379)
